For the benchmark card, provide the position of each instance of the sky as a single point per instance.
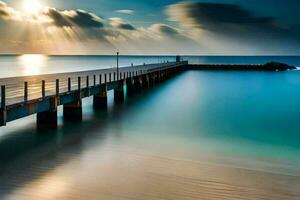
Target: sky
(204, 27)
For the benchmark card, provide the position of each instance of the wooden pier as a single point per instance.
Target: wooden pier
(42, 94)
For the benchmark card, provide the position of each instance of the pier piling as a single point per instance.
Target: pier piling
(100, 100)
(57, 88)
(73, 111)
(3, 113)
(69, 85)
(137, 83)
(48, 119)
(43, 89)
(119, 92)
(25, 91)
(129, 85)
(145, 81)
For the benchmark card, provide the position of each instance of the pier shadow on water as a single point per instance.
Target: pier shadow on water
(27, 153)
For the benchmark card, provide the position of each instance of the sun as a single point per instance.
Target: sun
(32, 6)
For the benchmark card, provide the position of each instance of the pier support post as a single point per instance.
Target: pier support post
(151, 79)
(48, 119)
(3, 113)
(137, 82)
(158, 76)
(73, 111)
(100, 100)
(3, 117)
(119, 92)
(145, 81)
(162, 75)
(130, 86)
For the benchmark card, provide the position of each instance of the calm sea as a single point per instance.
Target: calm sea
(246, 120)
(39, 64)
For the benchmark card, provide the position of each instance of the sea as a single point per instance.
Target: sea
(148, 147)
(35, 64)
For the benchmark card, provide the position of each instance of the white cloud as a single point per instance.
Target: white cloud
(125, 11)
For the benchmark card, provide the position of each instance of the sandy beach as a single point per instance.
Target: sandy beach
(120, 175)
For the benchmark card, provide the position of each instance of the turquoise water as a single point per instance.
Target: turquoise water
(241, 119)
(243, 114)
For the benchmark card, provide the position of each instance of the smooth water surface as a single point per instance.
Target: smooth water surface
(247, 120)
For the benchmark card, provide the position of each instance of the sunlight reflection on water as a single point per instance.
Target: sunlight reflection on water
(32, 63)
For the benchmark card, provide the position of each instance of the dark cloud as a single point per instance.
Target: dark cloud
(3, 10)
(233, 26)
(120, 24)
(214, 15)
(79, 18)
(164, 29)
(7, 12)
(3, 13)
(126, 26)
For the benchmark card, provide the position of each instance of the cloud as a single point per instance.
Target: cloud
(214, 15)
(54, 31)
(8, 13)
(200, 28)
(127, 12)
(120, 24)
(233, 29)
(3, 10)
(71, 18)
(164, 29)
